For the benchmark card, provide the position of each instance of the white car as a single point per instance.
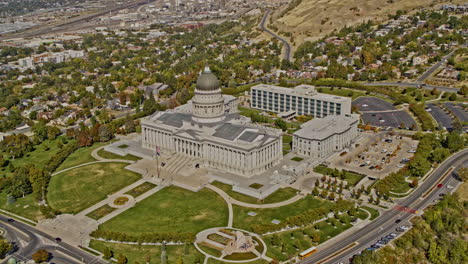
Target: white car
(400, 165)
(449, 187)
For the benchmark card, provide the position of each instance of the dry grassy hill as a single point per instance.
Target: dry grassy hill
(312, 19)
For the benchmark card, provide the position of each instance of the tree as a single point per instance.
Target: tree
(5, 247)
(121, 259)
(281, 124)
(105, 134)
(454, 141)
(439, 154)
(40, 256)
(52, 132)
(180, 260)
(40, 130)
(419, 166)
(463, 174)
(453, 97)
(414, 183)
(315, 192)
(108, 253)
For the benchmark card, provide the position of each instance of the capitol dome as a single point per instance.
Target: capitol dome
(207, 81)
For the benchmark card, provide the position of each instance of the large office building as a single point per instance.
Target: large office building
(302, 100)
(210, 130)
(320, 137)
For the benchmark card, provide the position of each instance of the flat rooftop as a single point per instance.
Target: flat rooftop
(322, 128)
(303, 90)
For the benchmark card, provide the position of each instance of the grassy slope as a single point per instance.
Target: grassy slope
(172, 209)
(305, 21)
(265, 216)
(77, 189)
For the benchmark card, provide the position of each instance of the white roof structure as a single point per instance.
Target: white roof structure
(322, 128)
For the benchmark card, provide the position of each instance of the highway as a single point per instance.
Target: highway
(27, 240)
(287, 46)
(342, 250)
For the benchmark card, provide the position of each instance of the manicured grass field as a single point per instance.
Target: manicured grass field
(101, 212)
(298, 159)
(278, 196)
(75, 190)
(25, 206)
(351, 177)
(80, 156)
(374, 213)
(403, 187)
(259, 261)
(109, 155)
(136, 253)
(172, 209)
(141, 189)
(264, 216)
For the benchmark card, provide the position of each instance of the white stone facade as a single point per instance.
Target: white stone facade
(319, 138)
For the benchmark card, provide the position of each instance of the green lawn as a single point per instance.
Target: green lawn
(141, 189)
(278, 196)
(402, 187)
(136, 253)
(75, 190)
(260, 261)
(374, 213)
(109, 155)
(298, 159)
(264, 216)
(80, 156)
(172, 209)
(25, 206)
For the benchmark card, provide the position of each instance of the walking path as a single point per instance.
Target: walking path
(255, 206)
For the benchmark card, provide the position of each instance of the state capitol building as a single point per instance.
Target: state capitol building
(210, 129)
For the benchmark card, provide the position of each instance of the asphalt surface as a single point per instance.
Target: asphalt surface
(385, 223)
(61, 253)
(288, 53)
(458, 111)
(442, 118)
(434, 67)
(373, 104)
(388, 119)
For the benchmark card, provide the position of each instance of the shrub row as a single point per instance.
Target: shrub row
(185, 237)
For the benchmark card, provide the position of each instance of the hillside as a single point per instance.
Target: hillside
(312, 19)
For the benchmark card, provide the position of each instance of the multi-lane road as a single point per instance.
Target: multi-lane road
(27, 240)
(344, 249)
(287, 46)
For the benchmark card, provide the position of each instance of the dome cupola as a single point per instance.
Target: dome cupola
(207, 81)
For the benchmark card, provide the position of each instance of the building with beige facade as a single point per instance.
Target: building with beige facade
(318, 138)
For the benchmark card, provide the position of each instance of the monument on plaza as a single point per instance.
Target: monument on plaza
(210, 130)
(240, 244)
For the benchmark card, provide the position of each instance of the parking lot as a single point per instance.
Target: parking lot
(395, 119)
(441, 116)
(372, 104)
(458, 111)
(376, 155)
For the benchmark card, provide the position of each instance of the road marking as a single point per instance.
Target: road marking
(437, 183)
(338, 252)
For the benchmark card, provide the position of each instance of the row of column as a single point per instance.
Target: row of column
(188, 147)
(155, 138)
